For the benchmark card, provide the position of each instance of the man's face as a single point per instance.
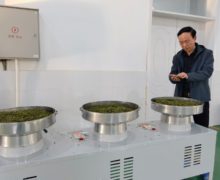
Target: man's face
(187, 42)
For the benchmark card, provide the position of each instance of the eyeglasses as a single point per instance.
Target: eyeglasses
(185, 42)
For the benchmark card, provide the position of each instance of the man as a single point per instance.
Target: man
(191, 69)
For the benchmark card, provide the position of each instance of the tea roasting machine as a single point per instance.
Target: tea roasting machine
(149, 151)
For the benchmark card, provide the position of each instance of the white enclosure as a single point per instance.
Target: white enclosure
(145, 154)
(19, 33)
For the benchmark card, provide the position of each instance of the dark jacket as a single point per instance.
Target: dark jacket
(198, 77)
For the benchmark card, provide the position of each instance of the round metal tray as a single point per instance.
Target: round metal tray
(27, 133)
(177, 110)
(110, 118)
(113, 124)
(27, 127)
(177, 118)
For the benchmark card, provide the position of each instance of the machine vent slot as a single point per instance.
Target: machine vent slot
(128, 168)
(115, 167)
(30, 178)
(197, 154)
(187, 156)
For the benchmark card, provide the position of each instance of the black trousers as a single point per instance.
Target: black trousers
(203, 118)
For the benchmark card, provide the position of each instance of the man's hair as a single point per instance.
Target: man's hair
(187, 29)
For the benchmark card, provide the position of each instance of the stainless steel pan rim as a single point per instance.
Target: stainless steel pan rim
(24, 134)
(110, 118)
(177, 110)
(110, 123)
(178, 118)
(27, 127)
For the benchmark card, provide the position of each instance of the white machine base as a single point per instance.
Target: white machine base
(153, 154)
(111, 138)
(21, 151)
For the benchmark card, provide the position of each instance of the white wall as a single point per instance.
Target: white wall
(163, 44)
(91, 50)
(90, 34)
(97, 50)
(173, 5)
(215, 86)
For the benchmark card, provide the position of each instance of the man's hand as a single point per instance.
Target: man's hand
(174, 77)
(182, 75)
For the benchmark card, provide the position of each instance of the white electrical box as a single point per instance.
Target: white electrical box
(19, 33)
